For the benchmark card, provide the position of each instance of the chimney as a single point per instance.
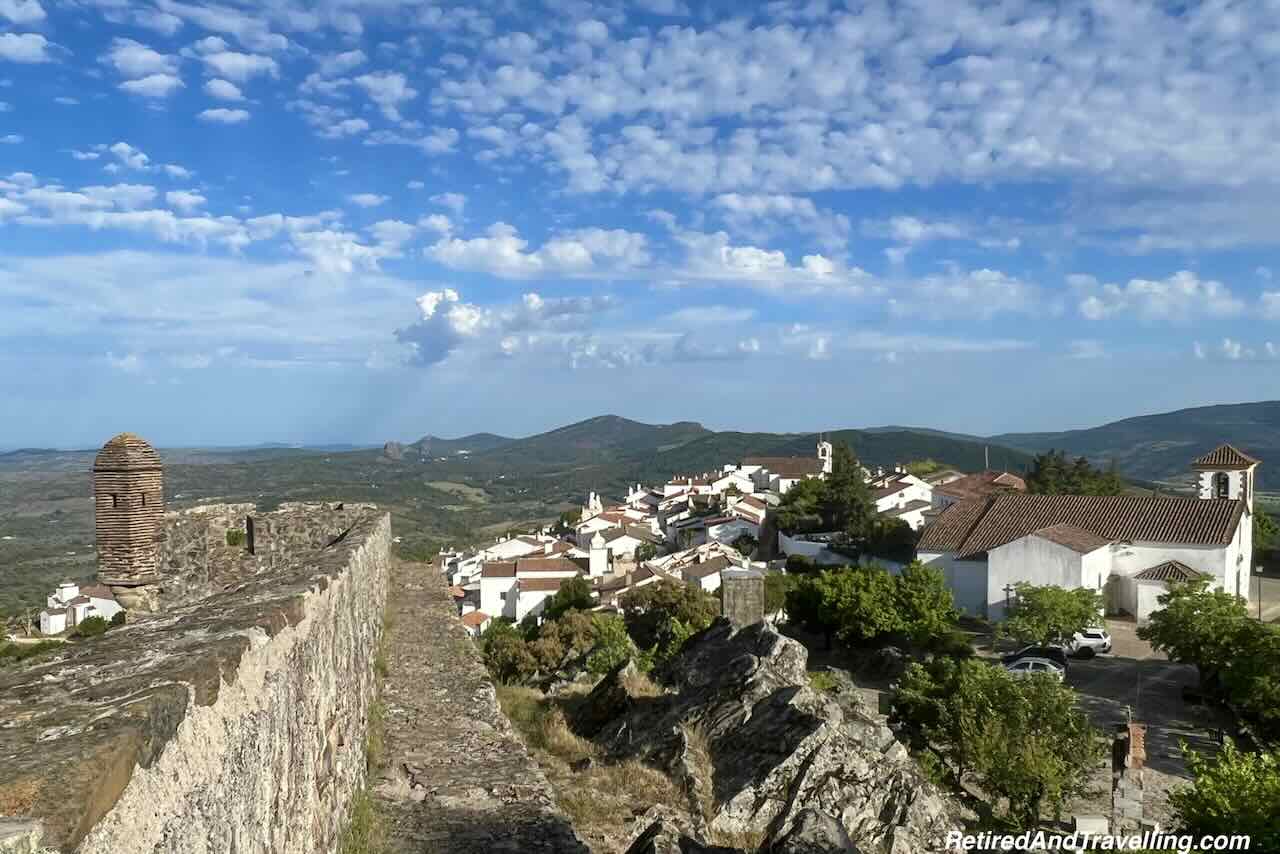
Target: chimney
(627, 579)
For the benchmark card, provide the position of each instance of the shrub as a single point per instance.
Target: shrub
(118, 618)
(235, 537)
(91, 627)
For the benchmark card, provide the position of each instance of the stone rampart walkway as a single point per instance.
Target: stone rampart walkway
(457, 777)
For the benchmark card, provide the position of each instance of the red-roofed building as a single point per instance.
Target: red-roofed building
(1126, 547)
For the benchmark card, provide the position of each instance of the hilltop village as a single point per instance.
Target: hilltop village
(983, 531)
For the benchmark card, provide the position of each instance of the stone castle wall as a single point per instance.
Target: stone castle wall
(231, 723)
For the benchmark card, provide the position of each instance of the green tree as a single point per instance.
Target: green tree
(91, 627)
(1265, 532)
(1050, 614)
(800, 511)
(921, 468)
(925, 605)
(646, 551)
(890, 539)
(574, 594)
(1232, 793)
(1051, 473)
(612, 646)
(653, 611)
(1020, 740)
(846, 504)
(506, 653)
(1196, 625)
(776, 586)
(855, 603)
(745, 544)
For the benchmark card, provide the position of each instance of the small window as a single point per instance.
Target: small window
(144, 499)
(1221, 485)
(115, 502)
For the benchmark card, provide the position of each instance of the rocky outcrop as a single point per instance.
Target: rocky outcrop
(235, 723)
(393, 451)
(764, 756)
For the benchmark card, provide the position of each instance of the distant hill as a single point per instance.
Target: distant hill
(604, 439)
(1156, 447)
(475, 443)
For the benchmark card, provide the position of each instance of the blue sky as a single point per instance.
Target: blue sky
(354, 220)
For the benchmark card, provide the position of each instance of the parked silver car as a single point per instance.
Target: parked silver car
(1029, 666)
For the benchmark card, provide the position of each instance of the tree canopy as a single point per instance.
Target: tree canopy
(1238, 657)
(1051, 473)
(1233, 793)
(574, 594)
(1050, 614)
(1022, 740)
(660, 617)
(865, 603)
(1265, 532)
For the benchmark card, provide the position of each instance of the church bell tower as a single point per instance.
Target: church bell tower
(1226, 473)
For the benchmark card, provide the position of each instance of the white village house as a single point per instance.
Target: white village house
(1127, 547)
(70, 605)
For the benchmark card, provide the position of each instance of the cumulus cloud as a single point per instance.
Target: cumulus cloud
(133, 59)
(451, 201)
(502, 252)
(22, 11)
(153, 85)
(1182, 296)
(387, 89)
(447, 323)
(24, 47)
(224, 116)
(224, 90)
(233, 65)
(185, 200)
(368, 200)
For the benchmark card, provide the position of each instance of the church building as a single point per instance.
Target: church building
(1128, 548)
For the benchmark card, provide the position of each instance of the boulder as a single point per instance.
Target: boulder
(393, 451)
(771, 757)
(663, 832)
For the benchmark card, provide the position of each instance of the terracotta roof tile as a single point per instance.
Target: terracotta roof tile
(1170, 570)
(534, 585)
(474, 618)
(974, 527)
(788, 467)
(1076, 539)
(1225, 457)
(498, 569)
(545, 564)
(980, 484)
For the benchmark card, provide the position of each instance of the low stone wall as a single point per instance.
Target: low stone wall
(235, 723)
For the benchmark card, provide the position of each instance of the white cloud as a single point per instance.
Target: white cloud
(133, 59)
(416, 185)
(223, 89)
(1181, 297)
(392, 233)
(130, 363)
(11, 139)
(502, 252)
(1087, 348)
(452, 201)
(221, 115)
(368, 200)
(22, 11)
(66, 100)
(1270, 305)
(25, 47)
(446, 323)
(185, 200)
(173, 170)
(909, 229)
(160, 22)
(129, 156)
(240, 67)
(340, 63)
(387, 89)
(438, 223)
(978, 293)
(153, 86)
(713, 257)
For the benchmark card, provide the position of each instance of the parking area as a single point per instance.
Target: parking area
(1135, 680)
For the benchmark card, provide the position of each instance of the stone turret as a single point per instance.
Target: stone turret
(128, 493)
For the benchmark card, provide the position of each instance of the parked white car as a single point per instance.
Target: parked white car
(1090, 642)
(1026, 667)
